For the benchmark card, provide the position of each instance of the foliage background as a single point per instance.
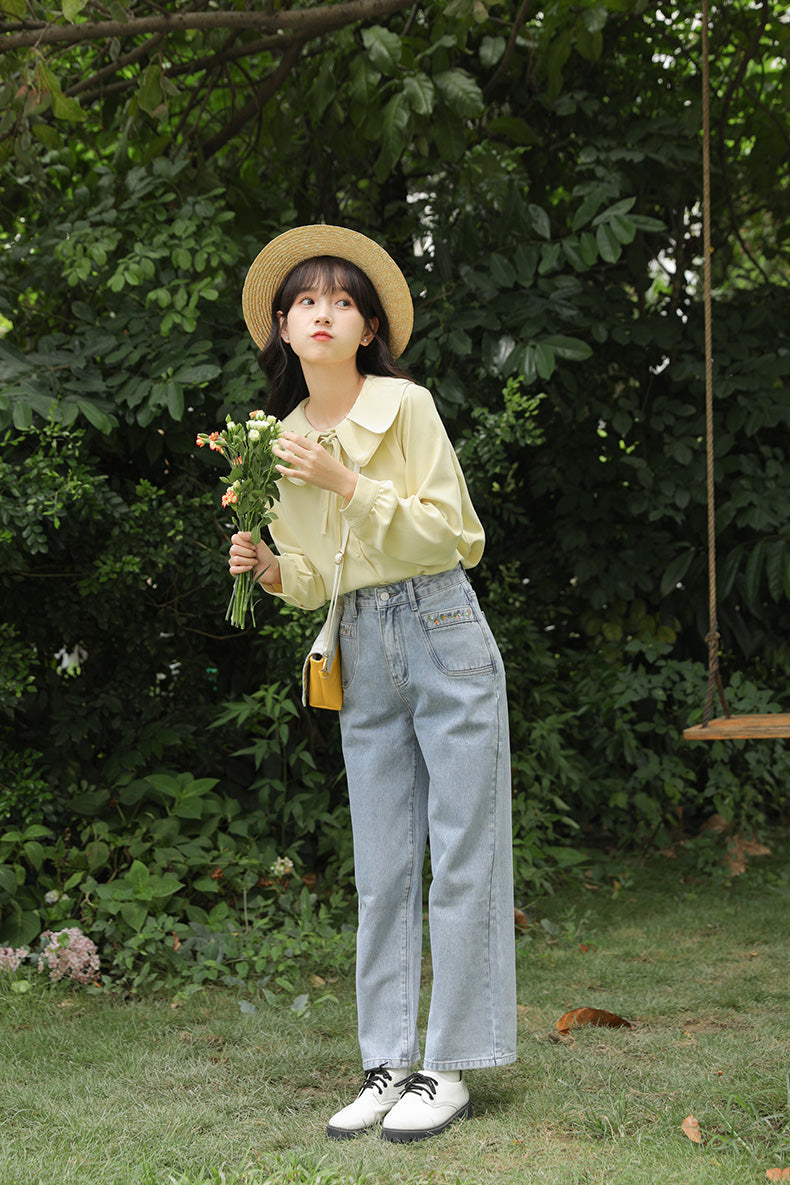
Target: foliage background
(536, 172)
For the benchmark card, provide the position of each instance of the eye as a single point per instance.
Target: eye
(306, 301)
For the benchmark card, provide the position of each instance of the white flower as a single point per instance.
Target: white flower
(52, 896)
(282, 866)
(254, 434)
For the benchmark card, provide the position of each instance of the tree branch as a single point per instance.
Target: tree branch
(259, 99)
(302, 23)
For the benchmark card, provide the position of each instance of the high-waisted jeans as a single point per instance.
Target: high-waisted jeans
(425, 740)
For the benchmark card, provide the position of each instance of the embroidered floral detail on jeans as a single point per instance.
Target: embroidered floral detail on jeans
(448, 617)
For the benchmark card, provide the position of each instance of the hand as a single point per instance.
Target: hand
(246, 556)
(312, 464)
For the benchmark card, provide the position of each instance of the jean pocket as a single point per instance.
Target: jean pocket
(457, 641)
(349, 650)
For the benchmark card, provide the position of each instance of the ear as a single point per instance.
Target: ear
(371, 329)
(283, 323)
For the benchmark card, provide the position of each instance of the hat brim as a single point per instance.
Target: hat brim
(281, 255)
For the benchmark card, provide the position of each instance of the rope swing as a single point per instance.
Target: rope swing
(726, 726)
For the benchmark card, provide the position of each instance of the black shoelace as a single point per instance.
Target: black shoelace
(379, 1077)
(418, 1082)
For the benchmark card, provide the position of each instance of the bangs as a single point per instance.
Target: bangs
(326, 273)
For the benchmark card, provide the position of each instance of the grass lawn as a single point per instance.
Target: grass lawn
(99, 1089)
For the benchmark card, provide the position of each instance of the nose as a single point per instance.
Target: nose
(323, 310)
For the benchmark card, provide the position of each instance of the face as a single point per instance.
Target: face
(324, 325)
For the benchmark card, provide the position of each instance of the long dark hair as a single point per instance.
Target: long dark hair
(280, 363)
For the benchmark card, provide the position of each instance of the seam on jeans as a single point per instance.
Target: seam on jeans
(408, 1022)
(495, 922)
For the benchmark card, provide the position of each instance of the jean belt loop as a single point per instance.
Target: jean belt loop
(412, 594)
(350, 603)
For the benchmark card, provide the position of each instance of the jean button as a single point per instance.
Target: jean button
(384, 597)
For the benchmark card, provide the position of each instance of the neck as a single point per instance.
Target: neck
(333, 392)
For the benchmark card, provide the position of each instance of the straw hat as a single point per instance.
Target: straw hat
(281, 255)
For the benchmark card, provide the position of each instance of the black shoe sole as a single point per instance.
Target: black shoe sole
(341, 1133)
(409, 1137)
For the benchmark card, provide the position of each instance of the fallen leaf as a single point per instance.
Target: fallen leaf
(738, 849)
(778, 1174)
(176, 941)
(691, 1129)
(716, 823)
(578, 1017)
(521, 920)
(317, 981)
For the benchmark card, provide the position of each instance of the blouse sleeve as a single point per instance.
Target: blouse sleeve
(301, 584)
(424, 524)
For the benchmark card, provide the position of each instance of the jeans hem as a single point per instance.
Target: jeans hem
(481, 1063)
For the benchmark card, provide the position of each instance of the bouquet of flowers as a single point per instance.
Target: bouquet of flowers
(247, 447)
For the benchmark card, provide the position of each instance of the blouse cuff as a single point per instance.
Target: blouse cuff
(360, 505)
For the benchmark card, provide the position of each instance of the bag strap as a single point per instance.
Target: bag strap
(338, 560)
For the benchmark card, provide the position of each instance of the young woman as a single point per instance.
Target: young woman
(424, 717)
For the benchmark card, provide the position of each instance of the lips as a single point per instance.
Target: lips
(321, 336)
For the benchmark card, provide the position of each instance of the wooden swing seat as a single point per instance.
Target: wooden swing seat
(723, 728)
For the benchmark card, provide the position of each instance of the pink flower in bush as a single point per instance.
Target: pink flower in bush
(69, 953)
(10, 958)
(229, 496)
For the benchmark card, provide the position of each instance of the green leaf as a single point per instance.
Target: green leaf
(100, 419)
(134, 914)
(15, 8)
(774, 568)
(545, 360)
(384, 48)
(7, 879)
(150, 96)
(394, 133)
(138, 876)
(608, 243)
(66, 108)
(502, 271)
(72, 8)
(97, 854)
(595, 18)
(512, 127)
(34, 853)
(587, 209)
(491, 50)
(174, 398)
(623, 228)
(675, 570)
(420, 93)
(461, 93)
(621, 207)
(540, 220)
(572, 349)
(529, 366)
(201, 373)
(549, 255)
(365, 80)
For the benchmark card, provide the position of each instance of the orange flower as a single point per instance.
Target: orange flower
(229, 496)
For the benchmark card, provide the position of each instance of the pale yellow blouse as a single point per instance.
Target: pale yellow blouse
(410, 514)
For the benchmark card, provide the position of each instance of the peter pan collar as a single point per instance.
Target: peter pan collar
(360, 433)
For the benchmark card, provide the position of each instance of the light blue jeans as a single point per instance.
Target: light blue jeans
(425, 740)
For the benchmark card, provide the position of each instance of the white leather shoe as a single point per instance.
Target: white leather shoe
(428, 1105)
(379, 1093)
